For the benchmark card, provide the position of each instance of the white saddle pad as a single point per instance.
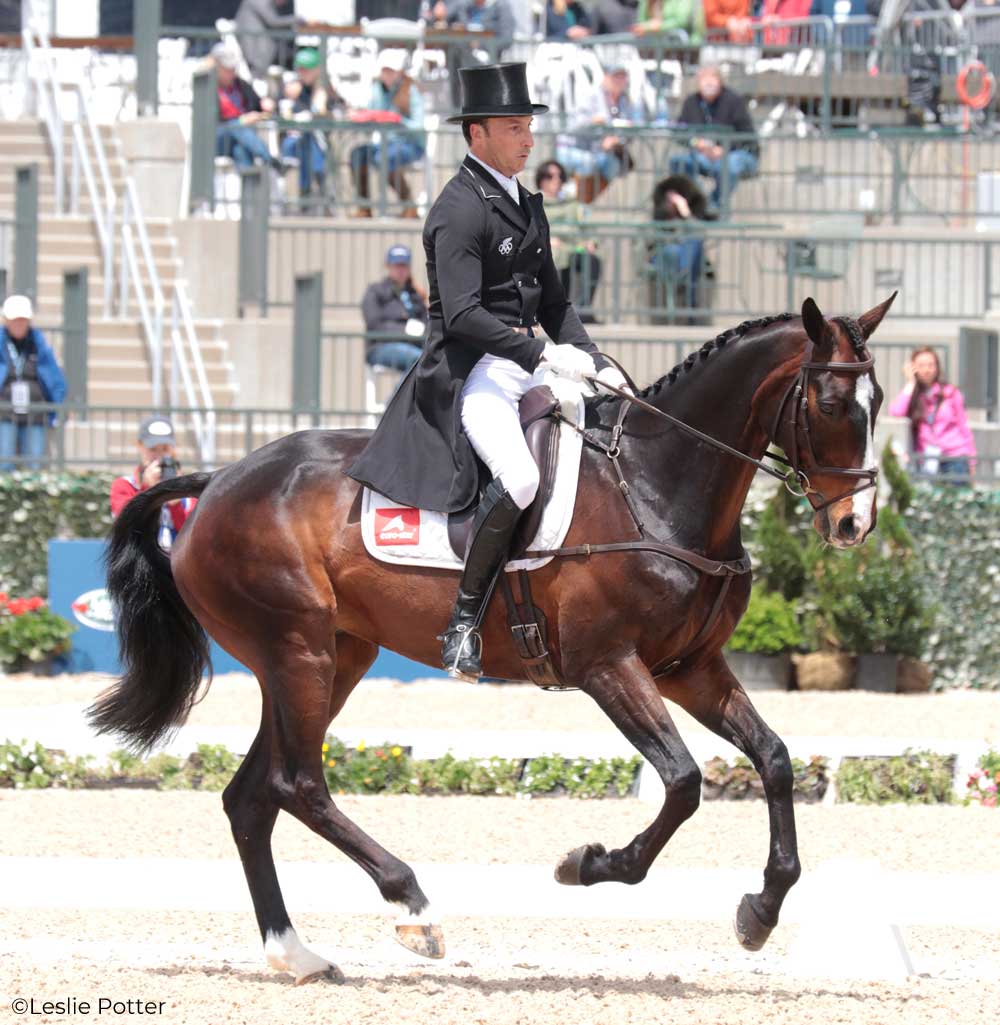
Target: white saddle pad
(406, 536)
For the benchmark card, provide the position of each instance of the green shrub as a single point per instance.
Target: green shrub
(983, 785)
(37, 768)
(916, 777)
(35, 507)
(30, 632)
(768, 627)
(365, 770)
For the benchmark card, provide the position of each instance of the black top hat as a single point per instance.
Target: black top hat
(495, 90)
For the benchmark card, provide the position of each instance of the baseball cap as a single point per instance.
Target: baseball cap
(156, 430)
(398, 254)
(16, 306)
(308, 57)
(394, 59)
(224, 57)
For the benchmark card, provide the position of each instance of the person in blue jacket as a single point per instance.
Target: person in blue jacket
(29, 374)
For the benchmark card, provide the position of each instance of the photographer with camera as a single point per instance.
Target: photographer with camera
(157, 461)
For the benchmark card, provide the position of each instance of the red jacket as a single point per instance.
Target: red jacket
(124, 489)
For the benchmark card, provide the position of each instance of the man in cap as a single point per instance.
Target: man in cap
(240, 108)
(492, 281)
(393, 92)
(29, 374)
(395, 306)
(157, 447)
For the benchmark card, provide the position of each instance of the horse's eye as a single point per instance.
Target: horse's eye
(828, 407)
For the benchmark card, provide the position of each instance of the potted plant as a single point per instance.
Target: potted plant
(32, 636)
(759, 652)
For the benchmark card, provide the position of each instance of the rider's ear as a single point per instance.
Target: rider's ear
(816, 326)
(871, 320)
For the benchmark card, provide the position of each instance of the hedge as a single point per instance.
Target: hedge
(957, 532)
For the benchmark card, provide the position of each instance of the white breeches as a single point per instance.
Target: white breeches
(489, 417)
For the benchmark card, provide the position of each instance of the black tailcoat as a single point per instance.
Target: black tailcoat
(489, 269)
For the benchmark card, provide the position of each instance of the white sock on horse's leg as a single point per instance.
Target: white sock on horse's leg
(285, 952)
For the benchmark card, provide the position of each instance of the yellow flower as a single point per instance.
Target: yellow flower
(332, 762)
(361, 746)
(326, 747)
(397, 751)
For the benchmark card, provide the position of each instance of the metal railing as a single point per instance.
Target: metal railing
(91, 437)
(739, 272)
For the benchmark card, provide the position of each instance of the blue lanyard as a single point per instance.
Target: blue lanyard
(17, 359)
(407, 300)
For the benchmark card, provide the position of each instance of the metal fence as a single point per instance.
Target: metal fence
(818, 66)
(741, 272)
(893, 176)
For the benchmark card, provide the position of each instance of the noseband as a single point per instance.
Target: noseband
(797, 396)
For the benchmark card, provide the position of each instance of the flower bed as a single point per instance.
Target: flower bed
(739, 780)
(983, 786)
(30, 633)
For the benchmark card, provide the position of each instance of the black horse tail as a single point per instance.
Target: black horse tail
(163, 648)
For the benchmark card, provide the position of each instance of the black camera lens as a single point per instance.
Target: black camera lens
(168, 468)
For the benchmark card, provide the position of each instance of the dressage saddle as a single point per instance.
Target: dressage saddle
(541, 431)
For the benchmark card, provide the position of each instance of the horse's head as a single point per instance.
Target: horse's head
(825, 422)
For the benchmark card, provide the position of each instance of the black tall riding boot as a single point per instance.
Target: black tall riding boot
(492, 531)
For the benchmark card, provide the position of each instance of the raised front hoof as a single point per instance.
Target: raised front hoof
(425, 940)
(750, 930)
(329, 974)
(570, 870)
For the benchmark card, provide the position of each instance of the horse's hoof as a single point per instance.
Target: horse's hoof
(329, 974)
(425, 940)
(568, 871)
(750, 930)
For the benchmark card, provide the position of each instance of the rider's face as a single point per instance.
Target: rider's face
(504, 143)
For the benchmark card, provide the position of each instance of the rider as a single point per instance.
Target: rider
(492, 280)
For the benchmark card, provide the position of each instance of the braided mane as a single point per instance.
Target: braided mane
(702, 354)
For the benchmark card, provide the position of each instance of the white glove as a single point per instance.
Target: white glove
(568, 361)
(613, 376)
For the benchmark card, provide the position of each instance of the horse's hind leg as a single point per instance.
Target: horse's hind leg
(306, 693)
(250, 804)
(715, 698)
(627, 694)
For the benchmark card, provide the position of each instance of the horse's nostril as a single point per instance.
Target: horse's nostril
(848, 528)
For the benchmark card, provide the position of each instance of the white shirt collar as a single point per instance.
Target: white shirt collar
(509, 184)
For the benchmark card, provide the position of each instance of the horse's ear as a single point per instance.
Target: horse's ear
(816, 326)
(871, 320)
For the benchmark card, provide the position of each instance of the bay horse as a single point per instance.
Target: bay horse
(272, 565)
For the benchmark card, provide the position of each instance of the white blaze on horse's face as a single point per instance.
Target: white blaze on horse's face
(863, 503)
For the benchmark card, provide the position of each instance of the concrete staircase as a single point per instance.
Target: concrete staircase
(119, 365)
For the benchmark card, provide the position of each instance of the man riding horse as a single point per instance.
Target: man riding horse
(492, 281)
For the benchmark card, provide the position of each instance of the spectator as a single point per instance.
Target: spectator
(678, 265)
(782, 10)
(614, 17)
(655, 16)
(395, 305)
(715, 106)
(574, 255)
(396, 92)
(939, 428)
(157, 447)
(493, 16)
(566, 21)
(254, 20)
(240, 108)
(598, 158)
(728, 19)
(29, 374)
(306, 96)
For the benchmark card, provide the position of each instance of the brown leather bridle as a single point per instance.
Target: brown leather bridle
(797, 395)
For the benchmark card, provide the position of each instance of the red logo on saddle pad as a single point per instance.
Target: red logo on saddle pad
(397, 527)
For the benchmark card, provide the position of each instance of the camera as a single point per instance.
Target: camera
(169, 468)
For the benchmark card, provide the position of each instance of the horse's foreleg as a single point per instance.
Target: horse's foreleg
(303, 709)
(715, 698)
(627, 694)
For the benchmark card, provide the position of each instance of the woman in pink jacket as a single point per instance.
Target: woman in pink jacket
(942, 440)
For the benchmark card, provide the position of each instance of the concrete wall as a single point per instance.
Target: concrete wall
(155, 152)
(209, 255)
